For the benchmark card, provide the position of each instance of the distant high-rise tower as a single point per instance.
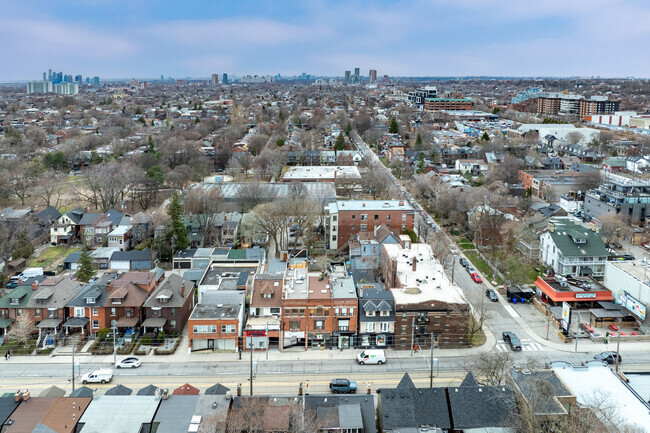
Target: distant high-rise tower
(347, 77)
(45, 76)
(96, 81)
(224, 79)
(357, 77)
(372, 76)
(39, 87)
(78, 79)
(49, 75)
(87, 80)
(215, 79)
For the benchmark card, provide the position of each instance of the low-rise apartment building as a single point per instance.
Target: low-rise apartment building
(351, 217)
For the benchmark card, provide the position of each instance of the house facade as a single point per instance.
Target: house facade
(169, 306)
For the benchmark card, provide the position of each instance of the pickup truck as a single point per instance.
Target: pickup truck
(343, 386)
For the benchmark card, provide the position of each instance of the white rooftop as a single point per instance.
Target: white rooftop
(296, 284)
(595, 383)
(317, 173)
(370, 205)
(427, 283)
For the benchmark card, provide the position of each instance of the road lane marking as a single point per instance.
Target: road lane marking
(511, 311)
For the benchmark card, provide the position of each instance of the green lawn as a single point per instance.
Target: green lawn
(482, 266)
(51, 256)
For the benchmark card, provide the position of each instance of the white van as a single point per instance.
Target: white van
(372, 356)
(98, 376)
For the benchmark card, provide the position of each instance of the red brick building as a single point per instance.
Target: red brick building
(451, 104)
(351, 217)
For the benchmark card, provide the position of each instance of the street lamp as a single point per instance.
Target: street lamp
(114, 328)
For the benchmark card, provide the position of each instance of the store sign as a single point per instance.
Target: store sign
(635, 307)
(585, 295)
(257, 333)
(566, 315)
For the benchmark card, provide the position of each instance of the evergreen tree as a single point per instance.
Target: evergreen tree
(393, 128)
(178, 229)
(418, 142)
(340, 143)
(155, 172)
(348, 129)
(485, 137)
(279, 142)
(151, 147)
(421, 164)
(86, 269)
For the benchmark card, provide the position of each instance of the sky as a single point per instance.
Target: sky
(196, 38)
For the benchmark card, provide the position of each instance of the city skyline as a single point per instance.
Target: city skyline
(117, 39)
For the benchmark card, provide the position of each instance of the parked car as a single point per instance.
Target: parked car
(492, 295)
(464, 262)
(476, 277)
(372, 356)
(130, 362)
(98, 376)
(512, 340)
(470, 269)
(608, 357)
(343, 386)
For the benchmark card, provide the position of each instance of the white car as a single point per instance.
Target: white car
(131, 362)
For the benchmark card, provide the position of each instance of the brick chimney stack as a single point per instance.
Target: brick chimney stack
(35, 285)
(415, 264)
(109, 286)
(183, 290)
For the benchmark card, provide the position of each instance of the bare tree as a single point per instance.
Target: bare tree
(575, 137)
(588, 180)
(205, 203)
(612, 227)
(507, 171)
(271, 220)
(51, 188)
(22, 179)
(490, 368)
(257, 143)
(105, 185)
(22, 329)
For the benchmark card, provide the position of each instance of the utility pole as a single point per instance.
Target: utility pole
(412, 334)
(114, 327)
(267, 340)
(431, 363)
(618, 345)
(251, 377)
(577, 331)
(453, 268)
(548, 322)
(73, 349)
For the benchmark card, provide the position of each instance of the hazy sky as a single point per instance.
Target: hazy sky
(143, 38)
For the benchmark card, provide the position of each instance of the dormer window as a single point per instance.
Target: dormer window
(163, 299)
(116, 300)
(14, 301)
(91, 300)
(267, 295)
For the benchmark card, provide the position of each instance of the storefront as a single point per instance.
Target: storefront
(342, 340)
(579, 294)
(378, 341)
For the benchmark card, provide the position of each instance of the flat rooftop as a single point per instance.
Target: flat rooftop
(370, 205)
(316, 173)
(427, 283)
(583, 284)
(296, 284)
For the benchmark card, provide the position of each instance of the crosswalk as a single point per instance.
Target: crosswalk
(526, 346)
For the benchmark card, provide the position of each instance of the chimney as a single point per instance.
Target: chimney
(26, 395)
(415, 264)
(183, 290)
(18, 396)
(165, 394)
(401, 203)
(109, 286)
(35, 285)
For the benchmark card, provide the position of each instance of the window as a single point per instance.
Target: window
(275, 310)
(172, 324)
(112, 311)
(376, 217)
(294, 325)
(156, 313)
(294, 312)
(403, 315)
(354, 216)
(79, 312)
(52, 313)
(228, 329)
(403, 217)
(319, 324)
(403, 329)
(370, 326)
(436, 320)
(95, 324)
(352, 227)
(95, 311)
(403, 227)
(344, 311)
(128, 312)
(388, 217)
(363, 227)
(370, 313)
(333, 237)
(336, 311)
(333, 228)
(344, 324)
(364, 217)
(37, 312)
(19, 312)
(205, 329)
(334, 218)
(319, 311)
(384, 326)
(172, 311)
(384, 313)
(302, 312)
(266, 295)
